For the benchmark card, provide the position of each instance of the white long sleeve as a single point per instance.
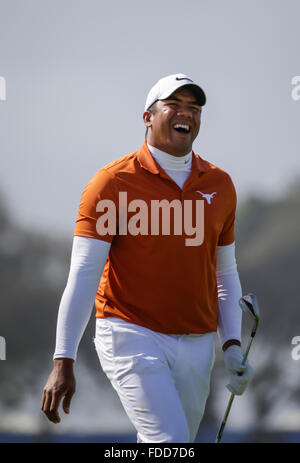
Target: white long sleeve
(87, 263)
(229, 293)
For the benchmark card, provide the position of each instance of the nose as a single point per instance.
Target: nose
(184, 111)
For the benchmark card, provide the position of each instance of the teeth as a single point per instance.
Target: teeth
(182, 126)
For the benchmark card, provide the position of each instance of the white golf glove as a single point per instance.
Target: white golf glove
(233, 358)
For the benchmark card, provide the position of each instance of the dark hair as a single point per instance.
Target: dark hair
(152, 109)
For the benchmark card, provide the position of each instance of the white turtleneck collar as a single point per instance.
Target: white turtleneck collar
(170, 162)
(177, 167)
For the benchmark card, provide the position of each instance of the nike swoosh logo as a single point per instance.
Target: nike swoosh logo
(183, 78)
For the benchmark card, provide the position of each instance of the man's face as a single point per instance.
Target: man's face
(164, 131)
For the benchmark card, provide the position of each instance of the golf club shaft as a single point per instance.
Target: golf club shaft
(220, 433)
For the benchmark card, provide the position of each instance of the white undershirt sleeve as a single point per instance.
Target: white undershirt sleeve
(87, 263)
(229, 293)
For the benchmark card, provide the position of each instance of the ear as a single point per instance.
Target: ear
(147, 116)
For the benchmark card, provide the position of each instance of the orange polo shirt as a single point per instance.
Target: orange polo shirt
(152, 277)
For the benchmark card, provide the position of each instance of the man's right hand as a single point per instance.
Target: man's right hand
(61, 383)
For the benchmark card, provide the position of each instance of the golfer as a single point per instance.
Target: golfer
(154, 250)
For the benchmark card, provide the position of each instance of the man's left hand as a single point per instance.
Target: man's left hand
(239, 375)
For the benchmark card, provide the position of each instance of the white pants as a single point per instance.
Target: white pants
(162, 380)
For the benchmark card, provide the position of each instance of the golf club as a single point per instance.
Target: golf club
(248, 305)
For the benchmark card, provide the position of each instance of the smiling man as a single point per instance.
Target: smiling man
(176, 123)
(160, 298)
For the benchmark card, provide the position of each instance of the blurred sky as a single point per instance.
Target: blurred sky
(78, 72)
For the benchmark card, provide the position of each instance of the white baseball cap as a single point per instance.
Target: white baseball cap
(167, 85)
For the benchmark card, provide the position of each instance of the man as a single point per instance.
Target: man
(157, 228)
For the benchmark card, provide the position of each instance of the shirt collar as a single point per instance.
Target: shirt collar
(169, 161)
(147, 161)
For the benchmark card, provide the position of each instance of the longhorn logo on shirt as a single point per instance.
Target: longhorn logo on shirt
(207, 196)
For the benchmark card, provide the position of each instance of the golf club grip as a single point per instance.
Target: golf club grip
(240, 373)
(247, 352)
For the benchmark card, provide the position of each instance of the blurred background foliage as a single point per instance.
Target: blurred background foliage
(34, 270)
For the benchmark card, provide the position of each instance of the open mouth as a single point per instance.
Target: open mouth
(182, 128)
